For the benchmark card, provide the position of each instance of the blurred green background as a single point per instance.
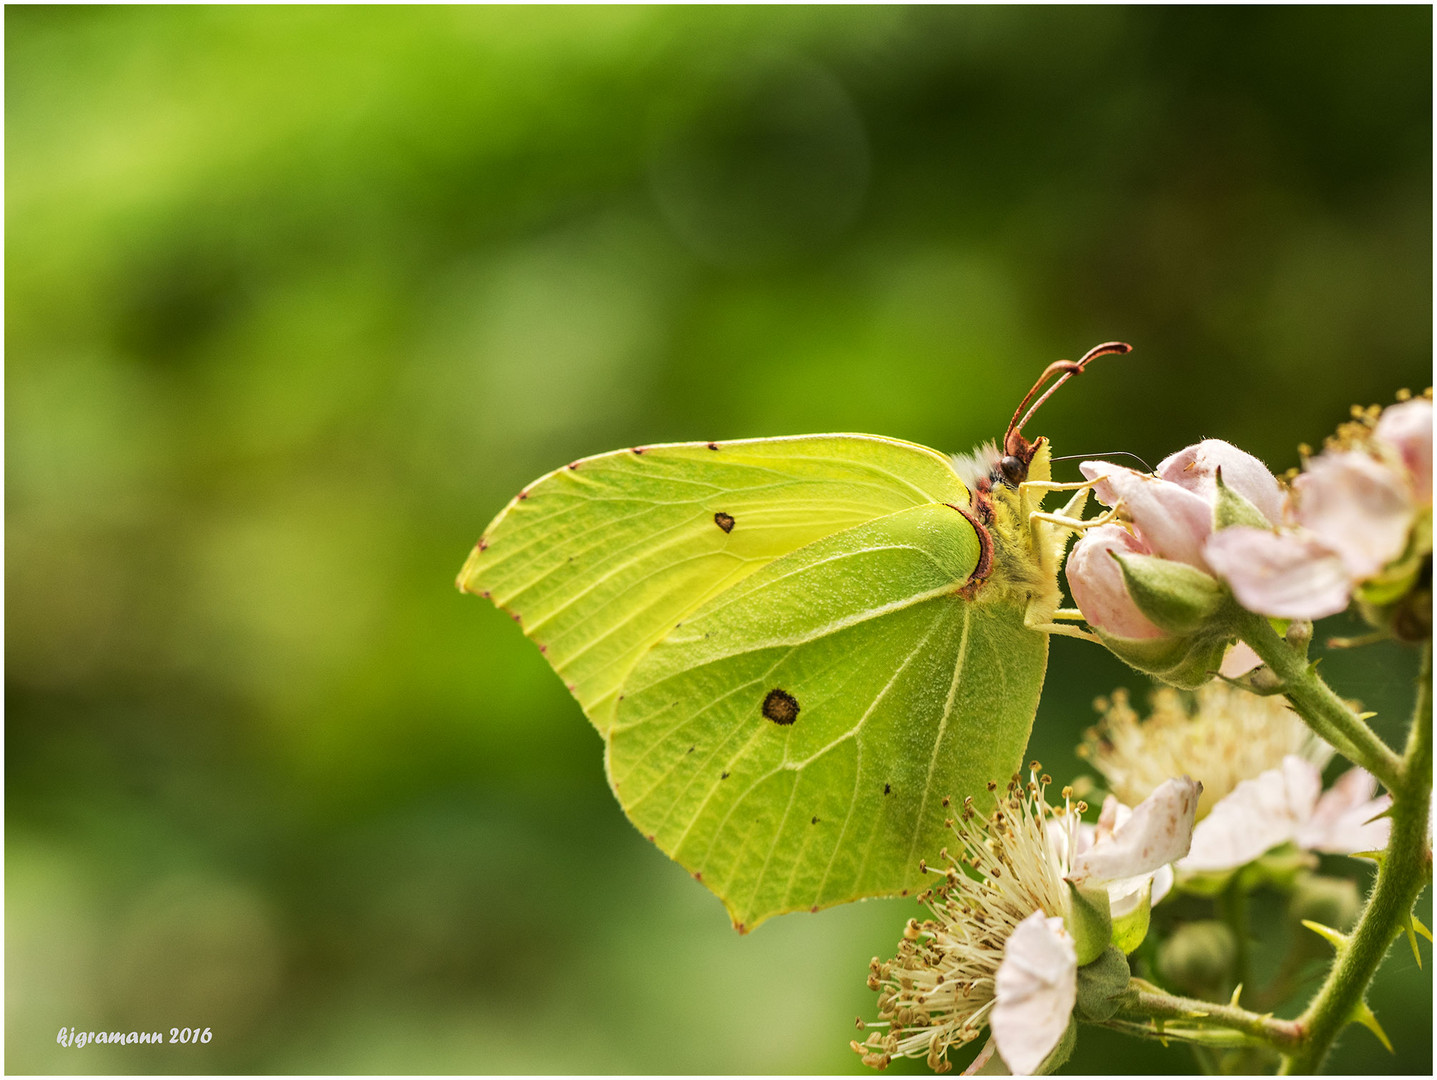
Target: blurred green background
(296, 300)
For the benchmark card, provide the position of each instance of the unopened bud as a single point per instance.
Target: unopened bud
(1198, 957)
(1184, 662)
(1331, 901)
(1101, 985)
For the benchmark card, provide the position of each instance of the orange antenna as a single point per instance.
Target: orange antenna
(1013, 441)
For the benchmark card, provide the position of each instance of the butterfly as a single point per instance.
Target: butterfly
(799, 651)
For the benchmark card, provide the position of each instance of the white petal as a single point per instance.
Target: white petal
(1162, 882)
(1291, 575)
(1407, 428)
(1359, 507)
(1111, 818)
(1125, 895)
(1341, 823)
(1195, 468)
(1170, 520)
(1239, 660)
(1255, 816)
(1034, 993)
(1065, 833)
(1158, 831)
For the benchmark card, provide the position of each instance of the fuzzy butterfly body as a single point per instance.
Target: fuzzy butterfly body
(798, 650)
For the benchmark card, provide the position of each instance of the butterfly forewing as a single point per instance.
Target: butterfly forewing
(792, 740)
(599, 560)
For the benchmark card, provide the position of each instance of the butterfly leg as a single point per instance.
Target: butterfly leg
(1049, 485)
(1062, 630)
(1077, 525)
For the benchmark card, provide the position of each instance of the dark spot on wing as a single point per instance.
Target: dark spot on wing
(523, 495)
(483, 543)
(724, 776)
(724, 521)
(888, 789)
(485, 594)
(638, 449)
(713, 446)
(814, 821)
(780, 706)
(691, 749)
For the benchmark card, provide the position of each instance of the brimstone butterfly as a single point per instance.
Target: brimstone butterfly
(798, 650)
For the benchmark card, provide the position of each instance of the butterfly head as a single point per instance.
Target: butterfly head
(1012, 468)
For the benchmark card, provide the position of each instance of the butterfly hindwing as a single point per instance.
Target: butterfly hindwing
(792, 740)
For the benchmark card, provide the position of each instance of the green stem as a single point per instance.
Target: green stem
(1232, 906)
(1178, 1017)
(1401, 876)
(1325, 712)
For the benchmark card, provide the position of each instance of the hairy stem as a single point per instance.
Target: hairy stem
(1403, 872)
(1177, 1017)
(1325, 712)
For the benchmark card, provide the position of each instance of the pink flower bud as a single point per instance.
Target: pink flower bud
(1096, 581)
(1407, 428)
(1358, 507)
(1195, 468)
(1170, 520)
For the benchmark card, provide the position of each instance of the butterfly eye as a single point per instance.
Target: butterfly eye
(1013, 470)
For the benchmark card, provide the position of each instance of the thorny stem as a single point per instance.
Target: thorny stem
(1325, 712)
(1171, 1016)
(1401, 876)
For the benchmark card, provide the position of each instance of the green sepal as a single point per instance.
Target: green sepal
(1174, 596)
(1184, 662)
(1362, 1014)
(1089, 921)
(1398, 601)
(1234, 509)
(1058, 1056)
(1129, 930)
(1101, 986)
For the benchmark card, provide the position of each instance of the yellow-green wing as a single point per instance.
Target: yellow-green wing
(599, 560)
(792, 742)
